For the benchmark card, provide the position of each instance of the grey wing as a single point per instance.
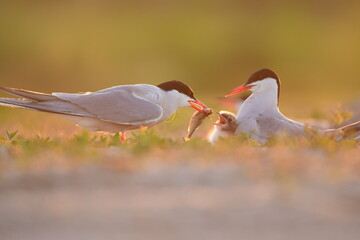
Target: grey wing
(118, 105)
(271, 126)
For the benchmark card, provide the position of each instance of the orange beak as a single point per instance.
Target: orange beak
(240, 89)
(197, 105)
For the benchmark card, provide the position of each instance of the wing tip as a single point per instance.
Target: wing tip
(4, 88)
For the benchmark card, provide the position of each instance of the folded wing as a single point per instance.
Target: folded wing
(270, 126)
(118, 104)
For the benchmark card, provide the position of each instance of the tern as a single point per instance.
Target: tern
(259, 116)
(225, 126)
(114, 109)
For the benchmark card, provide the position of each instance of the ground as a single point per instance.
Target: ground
(65, 183)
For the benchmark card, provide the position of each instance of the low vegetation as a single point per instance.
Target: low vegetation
(281, 158)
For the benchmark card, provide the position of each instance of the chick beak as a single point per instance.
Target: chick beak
(240, 89)
(221, 120)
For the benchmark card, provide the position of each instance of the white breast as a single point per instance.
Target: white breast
(259, 116)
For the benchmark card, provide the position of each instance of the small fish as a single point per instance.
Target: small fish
(196, 120)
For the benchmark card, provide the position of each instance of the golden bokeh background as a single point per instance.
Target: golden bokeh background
(212, 45)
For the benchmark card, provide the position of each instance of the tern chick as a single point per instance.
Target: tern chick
(225, 126)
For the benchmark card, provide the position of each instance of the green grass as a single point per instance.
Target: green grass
(281, 158)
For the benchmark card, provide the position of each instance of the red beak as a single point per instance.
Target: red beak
(199, 106)
(240, 89)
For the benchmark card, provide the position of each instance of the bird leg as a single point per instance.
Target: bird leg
(122, 137)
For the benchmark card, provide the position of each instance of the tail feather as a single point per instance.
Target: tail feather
(58, 106)
(42, 102)
(14, 103)
(37, 96)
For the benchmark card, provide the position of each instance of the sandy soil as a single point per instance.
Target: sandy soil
(178, 201)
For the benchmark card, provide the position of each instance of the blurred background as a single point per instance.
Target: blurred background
(57, 183)
(211, 45)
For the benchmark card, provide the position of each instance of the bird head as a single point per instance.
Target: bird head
(185, 91)
(262, 80)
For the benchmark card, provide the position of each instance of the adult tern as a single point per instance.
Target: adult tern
(259, 116)
(115, 109)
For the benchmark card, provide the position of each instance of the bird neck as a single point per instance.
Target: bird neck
(171, 101)
(179, 99)
(261, 102)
